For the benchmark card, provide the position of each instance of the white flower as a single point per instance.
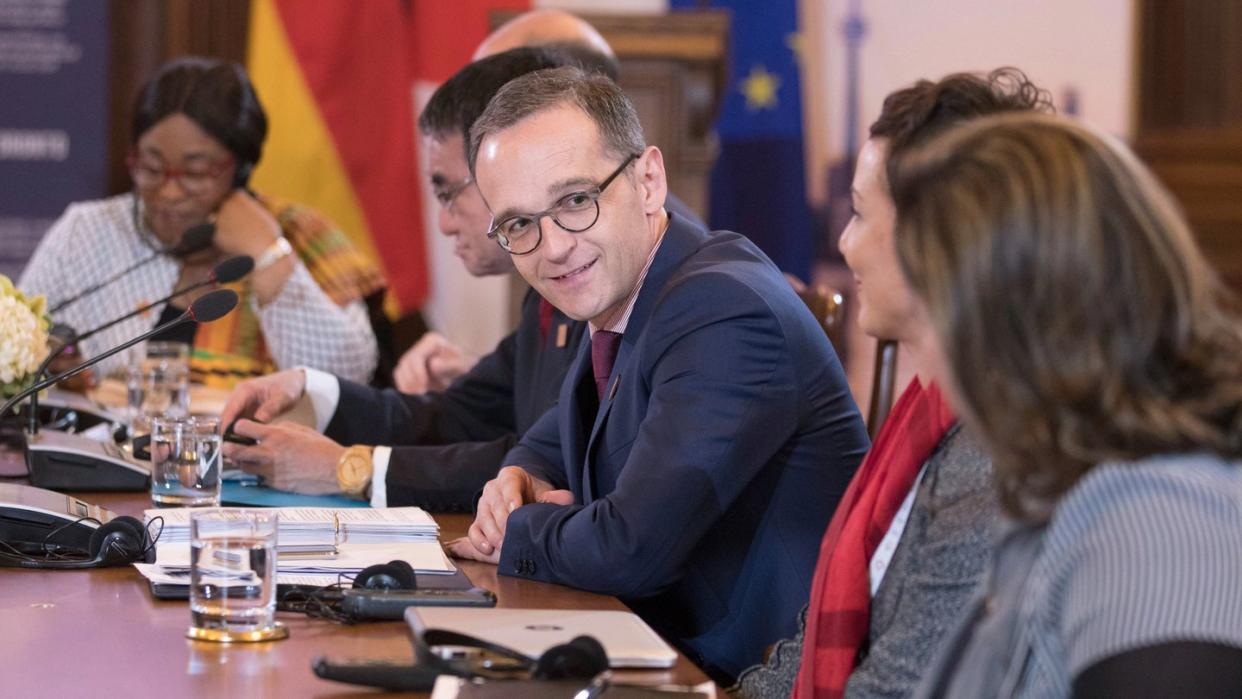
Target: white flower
(23, 335)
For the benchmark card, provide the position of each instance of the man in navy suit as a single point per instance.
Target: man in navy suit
(701, 441)
(437, 448)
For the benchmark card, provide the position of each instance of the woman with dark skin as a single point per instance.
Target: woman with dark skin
(198, 131)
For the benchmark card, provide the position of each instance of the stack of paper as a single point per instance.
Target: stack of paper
(323, 525)
(317, 545)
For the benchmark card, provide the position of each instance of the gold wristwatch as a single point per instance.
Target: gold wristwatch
(353, 470)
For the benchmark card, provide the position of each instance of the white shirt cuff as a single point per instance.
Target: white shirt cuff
(379, 476)
(324, 392)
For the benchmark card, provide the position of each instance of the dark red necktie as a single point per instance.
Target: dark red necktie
(604, 346)
(545, 319)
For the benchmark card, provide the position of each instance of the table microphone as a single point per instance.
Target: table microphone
(63, 461)
(226, 272)
(193, 240)
(210, 306)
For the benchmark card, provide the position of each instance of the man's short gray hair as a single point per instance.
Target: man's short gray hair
(596, 95)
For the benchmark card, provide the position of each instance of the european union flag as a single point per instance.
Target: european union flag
(758, 186)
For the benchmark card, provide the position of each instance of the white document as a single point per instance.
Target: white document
(323, 525)
(425, 557)
(159, 576)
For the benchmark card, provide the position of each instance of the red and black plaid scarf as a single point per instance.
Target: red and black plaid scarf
(840, 608)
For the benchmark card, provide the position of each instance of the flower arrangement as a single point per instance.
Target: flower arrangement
(23, 337)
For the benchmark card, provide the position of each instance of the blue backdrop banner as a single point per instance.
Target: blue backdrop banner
(53, 117)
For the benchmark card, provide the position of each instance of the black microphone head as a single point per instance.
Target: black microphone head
(195, 239)
(232, 269)
(212, 305)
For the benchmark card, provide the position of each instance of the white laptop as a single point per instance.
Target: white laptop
(627, 639)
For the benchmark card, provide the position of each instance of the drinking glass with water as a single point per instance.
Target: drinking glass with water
(185, 461)
(233, 575)
(158, 386)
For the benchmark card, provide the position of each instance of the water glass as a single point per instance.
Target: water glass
(233, 575)
(185, 461)
(158, 386)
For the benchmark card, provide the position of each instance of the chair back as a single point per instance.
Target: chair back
(883, 382)
(828, 307)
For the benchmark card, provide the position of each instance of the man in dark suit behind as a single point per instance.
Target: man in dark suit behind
(700, 443)
(440, 447)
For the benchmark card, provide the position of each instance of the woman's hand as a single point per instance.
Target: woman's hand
(245, 227)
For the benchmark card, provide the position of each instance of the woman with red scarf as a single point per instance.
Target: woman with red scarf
(908, 541)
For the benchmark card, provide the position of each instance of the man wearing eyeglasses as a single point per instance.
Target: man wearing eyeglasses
(701, 442)
(438, 448)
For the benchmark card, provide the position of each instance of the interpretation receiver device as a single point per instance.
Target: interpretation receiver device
(40, 517)
(63, 461)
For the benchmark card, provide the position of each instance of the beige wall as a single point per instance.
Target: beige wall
(1086, 45)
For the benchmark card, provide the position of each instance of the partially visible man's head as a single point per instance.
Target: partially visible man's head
(544, 27)
(445, 122)
(567, 142)
(910, 116)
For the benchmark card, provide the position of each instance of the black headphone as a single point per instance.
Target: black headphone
(325, 602)
(393, 575)
(121, 541)
(580, 659)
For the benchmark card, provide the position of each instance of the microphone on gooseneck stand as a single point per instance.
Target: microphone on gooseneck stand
(211, 306)
(226, 272)
(62, 461)
(195, 239)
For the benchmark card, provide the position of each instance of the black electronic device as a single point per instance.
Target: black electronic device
(43, 529)
(392, 676)
(71, 462)
(234, 438)
(583, 658)
(62, 461)
(364, 604)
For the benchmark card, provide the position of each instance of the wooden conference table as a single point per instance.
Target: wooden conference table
(101, 633)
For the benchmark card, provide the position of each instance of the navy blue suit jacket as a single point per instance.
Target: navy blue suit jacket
(705, 480)
(448, 444)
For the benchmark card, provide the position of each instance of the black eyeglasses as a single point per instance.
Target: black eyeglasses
(575, 212)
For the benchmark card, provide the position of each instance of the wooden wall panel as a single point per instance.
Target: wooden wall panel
(1190, 116)
(144, 34)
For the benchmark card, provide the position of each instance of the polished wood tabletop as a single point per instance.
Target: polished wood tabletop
(101, 633)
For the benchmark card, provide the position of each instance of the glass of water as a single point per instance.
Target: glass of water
(233, 575)
(185, 461)
(158, 385)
